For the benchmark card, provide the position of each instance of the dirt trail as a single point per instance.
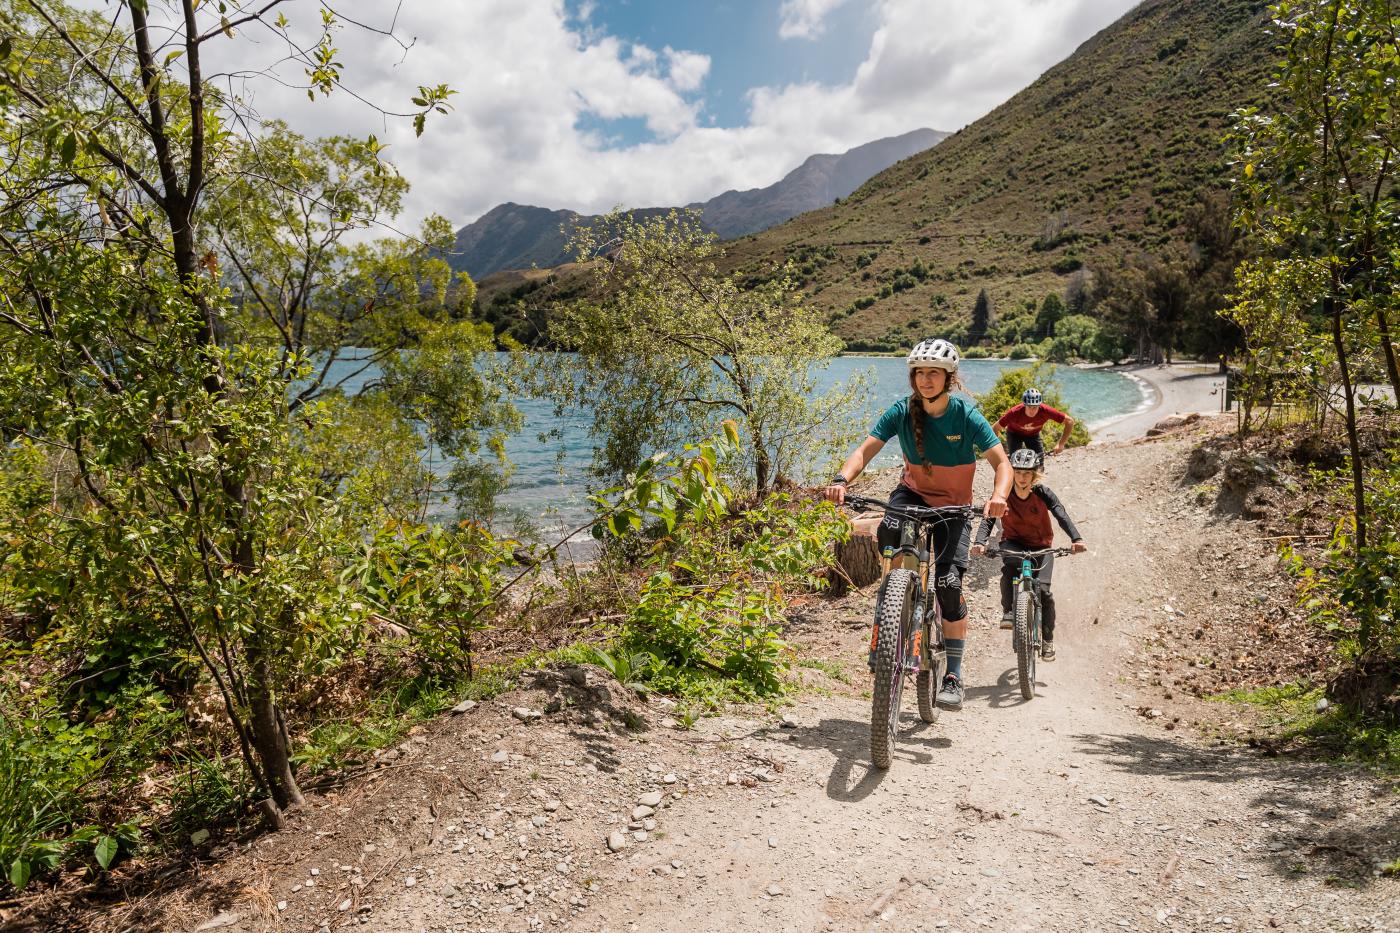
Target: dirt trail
(1070, 811)
(1077, 810)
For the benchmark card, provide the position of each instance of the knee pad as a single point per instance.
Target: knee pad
(948, 589)
(887, 535)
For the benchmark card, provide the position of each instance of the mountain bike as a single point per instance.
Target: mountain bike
(1025, 632)
(907, 635)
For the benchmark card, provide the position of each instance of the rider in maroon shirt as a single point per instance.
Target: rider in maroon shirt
(1021, 425)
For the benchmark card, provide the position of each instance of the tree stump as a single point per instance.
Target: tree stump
(857, 559)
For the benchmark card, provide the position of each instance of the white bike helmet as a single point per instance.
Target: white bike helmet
(1032, 397)
(1025, 459)
(937, 354)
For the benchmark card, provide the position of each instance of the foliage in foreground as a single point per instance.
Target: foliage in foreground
(1316, 187)
(1353, 593)
(1006, 394)
(711, 609)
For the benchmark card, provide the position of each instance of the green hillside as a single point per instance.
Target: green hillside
(1099, 158)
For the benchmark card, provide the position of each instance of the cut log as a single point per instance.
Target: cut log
(857, 559)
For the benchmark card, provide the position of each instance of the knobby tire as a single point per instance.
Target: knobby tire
(931, 679)
(894, 616)
(1024, 637)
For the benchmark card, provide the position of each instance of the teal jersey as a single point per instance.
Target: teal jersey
(942, 472)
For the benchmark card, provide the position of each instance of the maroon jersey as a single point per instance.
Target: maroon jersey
(1018, 422)
(1026, 522)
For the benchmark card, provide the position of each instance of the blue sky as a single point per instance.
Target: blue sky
(744, 47)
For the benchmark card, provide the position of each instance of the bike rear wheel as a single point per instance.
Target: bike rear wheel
(931, 677)
(894, 616)
(1024, 638)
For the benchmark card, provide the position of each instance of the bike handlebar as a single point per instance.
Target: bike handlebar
(1016, 552)
(918, 513)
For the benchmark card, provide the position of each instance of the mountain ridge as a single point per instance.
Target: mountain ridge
(1098, 158)
(518, 236)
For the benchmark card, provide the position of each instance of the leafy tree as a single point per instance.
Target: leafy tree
(665, 348)
(1214, 248)
(192, 506)
(1076, 337)
(1051, 310)
(1317, 180)
(983, 315)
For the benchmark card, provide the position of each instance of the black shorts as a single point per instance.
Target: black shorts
(951, 537)
(1015, 442)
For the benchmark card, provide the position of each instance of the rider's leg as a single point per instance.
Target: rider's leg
(888, 534)
(1047, 605)
(1009, 568)
(951, 541)
(1047, 615)
(948, 591)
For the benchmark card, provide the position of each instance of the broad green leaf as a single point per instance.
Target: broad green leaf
(106, 851)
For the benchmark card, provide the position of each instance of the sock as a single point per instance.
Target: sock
(955, 653)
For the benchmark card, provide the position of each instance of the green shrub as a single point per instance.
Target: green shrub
(46, 764)
(712, 608)
(1354, 594)
(1022, 351)
(1006, 394)
(437, 584)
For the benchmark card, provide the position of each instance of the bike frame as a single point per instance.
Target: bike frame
(924, 644)
(1025, 581)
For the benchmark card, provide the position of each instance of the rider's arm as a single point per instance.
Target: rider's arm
(855, 463)
(1057, 509)
(1065, 427)
(996, 505)
(984, 531)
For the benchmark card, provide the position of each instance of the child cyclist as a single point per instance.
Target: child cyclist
(941, 436)
(1021, 425)
(1026, 527)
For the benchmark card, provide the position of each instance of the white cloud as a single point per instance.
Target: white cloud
(686, 70)
(804, 19)
(533, 81)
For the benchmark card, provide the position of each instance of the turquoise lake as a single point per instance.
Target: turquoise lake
(547, 482)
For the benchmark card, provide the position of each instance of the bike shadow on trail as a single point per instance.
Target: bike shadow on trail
(853, 777)
(1313, 815)
(1005, 692)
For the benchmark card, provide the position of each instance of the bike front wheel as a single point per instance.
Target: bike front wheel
(1023, 636)
(894, 616)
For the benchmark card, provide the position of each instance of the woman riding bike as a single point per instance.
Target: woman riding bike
(941, 436)
(1026, 527)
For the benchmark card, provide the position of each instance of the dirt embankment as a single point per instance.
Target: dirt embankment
(1110, 801)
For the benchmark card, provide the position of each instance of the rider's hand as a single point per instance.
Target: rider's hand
(978, 550)
(1058, 450)
(836, 492)
(1078, 547)
(996, 507)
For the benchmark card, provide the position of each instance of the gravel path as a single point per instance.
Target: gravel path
(1089, 807)
(1105, 803)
